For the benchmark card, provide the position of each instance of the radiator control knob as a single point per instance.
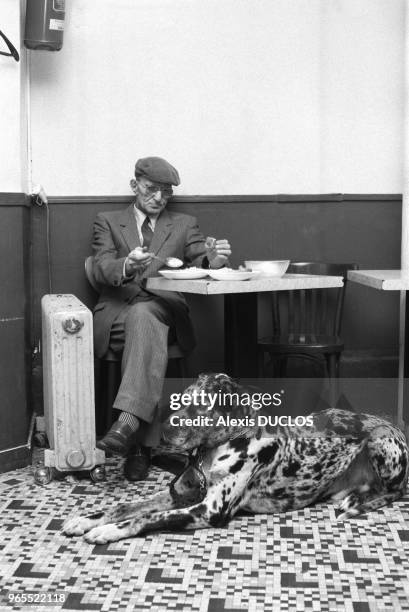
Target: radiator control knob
(75, 458)
(72, 325)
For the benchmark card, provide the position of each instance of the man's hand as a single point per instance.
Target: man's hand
(137, 261)
(217, 251)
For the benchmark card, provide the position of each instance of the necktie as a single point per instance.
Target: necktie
(147, 233)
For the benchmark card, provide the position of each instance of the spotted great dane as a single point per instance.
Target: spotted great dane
(358, 460)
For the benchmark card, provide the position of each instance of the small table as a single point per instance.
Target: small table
(392, 280)
(386, 280)
(240, 310)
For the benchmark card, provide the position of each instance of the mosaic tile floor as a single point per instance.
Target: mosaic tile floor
(294, 561)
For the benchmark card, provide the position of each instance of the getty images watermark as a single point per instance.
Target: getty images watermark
(254, 401)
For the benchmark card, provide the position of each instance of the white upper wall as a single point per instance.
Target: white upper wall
(13, 116)
(362, 95)
(242, 96)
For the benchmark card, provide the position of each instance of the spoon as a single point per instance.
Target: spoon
(171, 262)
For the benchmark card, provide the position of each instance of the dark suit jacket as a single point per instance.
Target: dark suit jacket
(115, 235)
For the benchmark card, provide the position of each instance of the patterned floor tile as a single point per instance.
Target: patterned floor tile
(297, 560)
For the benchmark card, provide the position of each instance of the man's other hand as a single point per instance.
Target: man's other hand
(218, 252)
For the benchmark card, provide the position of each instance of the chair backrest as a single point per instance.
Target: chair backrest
(311, 311)
(89, 273)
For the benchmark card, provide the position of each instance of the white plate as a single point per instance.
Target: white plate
(185, 274)
(237, 275)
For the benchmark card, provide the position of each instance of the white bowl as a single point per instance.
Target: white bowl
(268, 267)
(228, 274)
(185, 274)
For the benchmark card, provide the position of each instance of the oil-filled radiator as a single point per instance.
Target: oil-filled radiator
(68, 379)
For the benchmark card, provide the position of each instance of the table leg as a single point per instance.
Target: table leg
(240, 334)
(405, 386)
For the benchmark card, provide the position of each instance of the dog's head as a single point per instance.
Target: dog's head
(202, 419)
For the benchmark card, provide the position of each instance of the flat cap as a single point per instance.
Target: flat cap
(158, 170)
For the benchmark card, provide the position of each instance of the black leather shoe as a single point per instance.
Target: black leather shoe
(118, 440)
(137, 464)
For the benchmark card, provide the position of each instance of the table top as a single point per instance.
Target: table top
(386, 280)
(208, 286)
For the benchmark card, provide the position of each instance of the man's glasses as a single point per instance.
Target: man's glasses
(152, 189)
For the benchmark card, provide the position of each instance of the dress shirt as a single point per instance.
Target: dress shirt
(139, 218)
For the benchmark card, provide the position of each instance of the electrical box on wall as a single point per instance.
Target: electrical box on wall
(44, 28)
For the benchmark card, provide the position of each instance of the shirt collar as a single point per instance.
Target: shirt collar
(140, 217)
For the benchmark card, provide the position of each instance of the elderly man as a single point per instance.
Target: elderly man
(135, 321)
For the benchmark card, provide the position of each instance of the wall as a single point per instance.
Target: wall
(243, 96)
(293, 228)
(15, 412)
(13, 120)
(362, 64)
(15, 355)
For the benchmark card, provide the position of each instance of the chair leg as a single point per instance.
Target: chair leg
(283, 367)
(112, 384)
(177, 368)
(260, 365)
(333, 373)
(182, 367)
(279, 366)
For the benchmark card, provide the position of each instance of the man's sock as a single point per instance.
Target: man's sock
(129, 419)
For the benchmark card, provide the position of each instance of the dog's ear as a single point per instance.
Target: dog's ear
(226, 383)
(214, 383)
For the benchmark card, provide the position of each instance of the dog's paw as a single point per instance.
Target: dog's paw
(104, 534)
(351, 513)
(78, 525)
(349, 507)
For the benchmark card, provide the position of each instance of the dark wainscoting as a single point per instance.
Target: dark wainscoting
(43, 250)
(364, 229)
(15, 411)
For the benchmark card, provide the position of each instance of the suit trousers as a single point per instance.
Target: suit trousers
(142, 332)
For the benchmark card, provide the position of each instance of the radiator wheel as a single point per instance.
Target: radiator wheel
(98, 473)
(43, 475)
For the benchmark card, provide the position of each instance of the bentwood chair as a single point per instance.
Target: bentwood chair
(306, 324)
(110, 367)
